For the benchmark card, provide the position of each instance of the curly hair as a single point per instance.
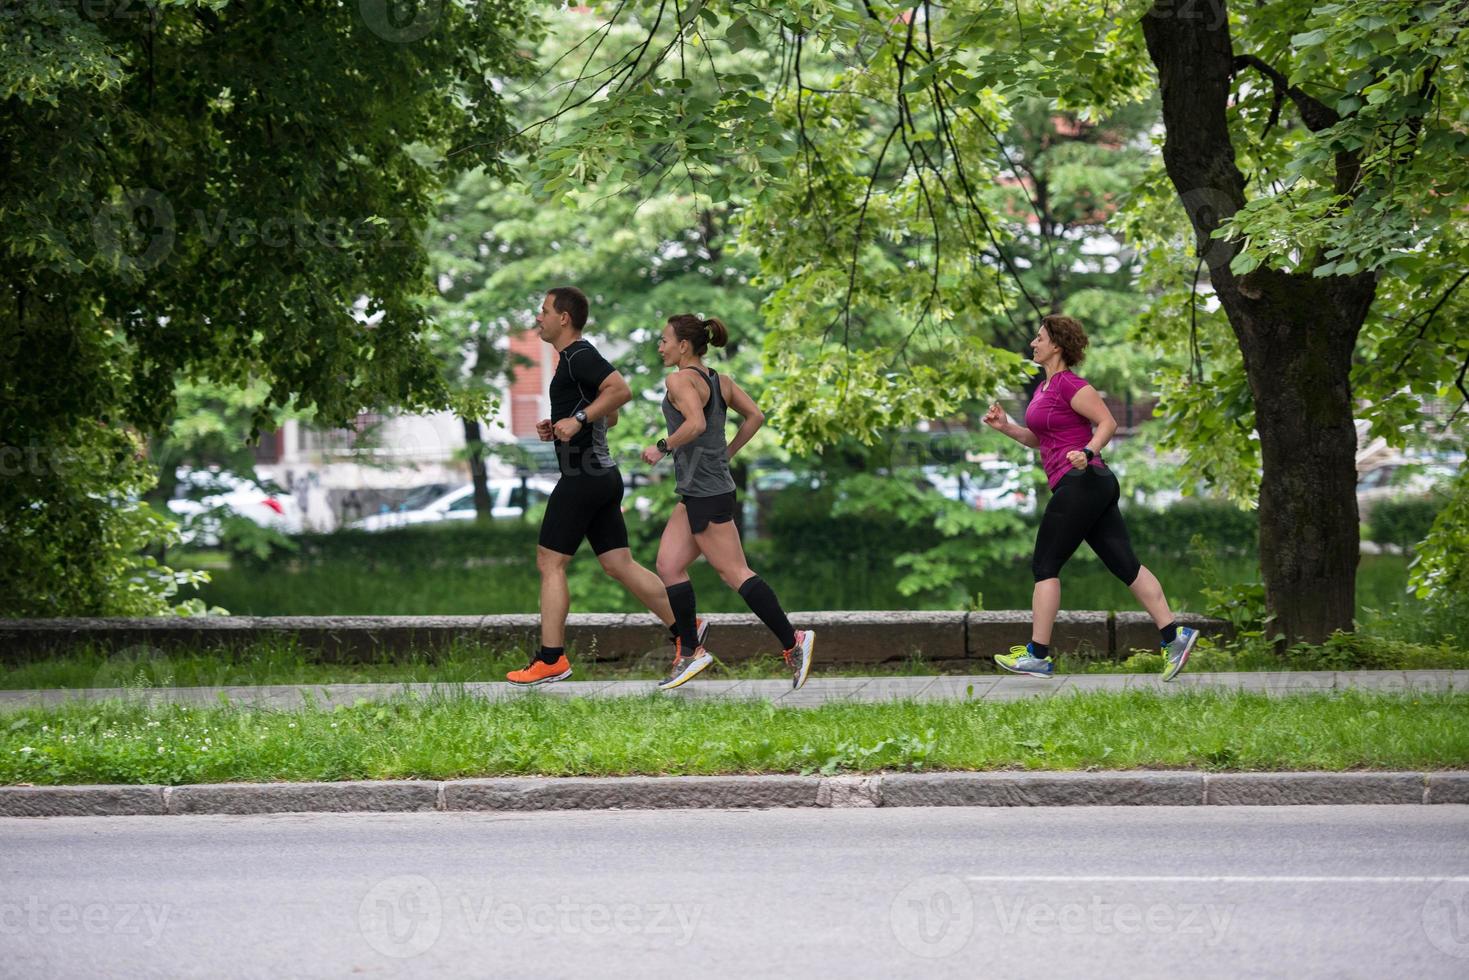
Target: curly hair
(1067, 334)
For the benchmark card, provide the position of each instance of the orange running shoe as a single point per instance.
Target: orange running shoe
(540, 672)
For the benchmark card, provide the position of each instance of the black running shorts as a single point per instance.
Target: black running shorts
(585, 507)
(704, 511)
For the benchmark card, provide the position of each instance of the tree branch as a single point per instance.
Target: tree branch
(1314, 113)
(1428, 319)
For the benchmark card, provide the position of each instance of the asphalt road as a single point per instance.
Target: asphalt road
(1059, 892)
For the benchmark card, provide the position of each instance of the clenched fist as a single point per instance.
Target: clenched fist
(566, 429)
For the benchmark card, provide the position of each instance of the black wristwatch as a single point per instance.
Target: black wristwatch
(1089, 454)
(580, 415)
(662, 446)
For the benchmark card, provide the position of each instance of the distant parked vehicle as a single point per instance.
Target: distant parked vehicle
(1403, 478)
(420, 497)
(202, 495)
(508, 499)
(987, 485)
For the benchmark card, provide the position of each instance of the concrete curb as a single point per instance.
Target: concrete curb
(1128, 788)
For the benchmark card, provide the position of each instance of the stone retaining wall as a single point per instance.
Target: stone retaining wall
(844, 637)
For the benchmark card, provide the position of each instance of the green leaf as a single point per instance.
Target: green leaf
(1309, 38)
(1244, 263)
(740, 35)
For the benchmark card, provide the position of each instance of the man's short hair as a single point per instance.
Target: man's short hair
(572, 302)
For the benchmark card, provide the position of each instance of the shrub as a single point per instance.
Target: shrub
(1405, 522)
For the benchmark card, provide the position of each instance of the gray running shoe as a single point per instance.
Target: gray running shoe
(685, 669)
(1021, 661)
(798, 657)
(1176, 653)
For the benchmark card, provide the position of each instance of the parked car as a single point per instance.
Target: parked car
(987, 485)
(509, 498)
(1400, 479)
(200, 494)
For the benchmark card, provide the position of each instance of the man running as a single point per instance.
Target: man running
(586, 393)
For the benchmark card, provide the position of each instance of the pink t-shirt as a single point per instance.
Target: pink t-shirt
(1059, 427)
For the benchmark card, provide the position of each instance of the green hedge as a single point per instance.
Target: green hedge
(1228, 529)
(452, 544)
(796, 525)
(1403, 522)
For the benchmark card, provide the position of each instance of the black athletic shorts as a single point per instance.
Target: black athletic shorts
(585, 507)
(704, 511)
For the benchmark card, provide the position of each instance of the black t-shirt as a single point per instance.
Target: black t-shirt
(579, 373)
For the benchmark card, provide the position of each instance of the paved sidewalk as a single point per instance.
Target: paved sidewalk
(818, 690)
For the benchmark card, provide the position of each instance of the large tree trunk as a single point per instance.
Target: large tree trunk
(1297, 340)
(1296, 333)
(472, 439)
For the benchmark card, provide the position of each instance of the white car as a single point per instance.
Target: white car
(988, 485)
(1401, 479)
(200, 491)
(507, 500)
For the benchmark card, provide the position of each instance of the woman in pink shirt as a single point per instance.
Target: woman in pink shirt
(1068, 422)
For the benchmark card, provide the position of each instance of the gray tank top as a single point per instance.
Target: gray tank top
(702, 466)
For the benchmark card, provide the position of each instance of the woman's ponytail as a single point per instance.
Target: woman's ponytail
(718, 332)
(701, 334)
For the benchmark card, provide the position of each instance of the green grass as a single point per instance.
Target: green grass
(459, 736)
(284, 662)
(1342, 652)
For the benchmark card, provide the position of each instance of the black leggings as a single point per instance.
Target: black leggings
(1083, 507)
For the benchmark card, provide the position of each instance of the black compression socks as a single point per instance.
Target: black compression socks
(763, 603)
(685, 616)
(549, 655)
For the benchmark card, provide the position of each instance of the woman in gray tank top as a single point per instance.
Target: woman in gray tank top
(696, 408)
